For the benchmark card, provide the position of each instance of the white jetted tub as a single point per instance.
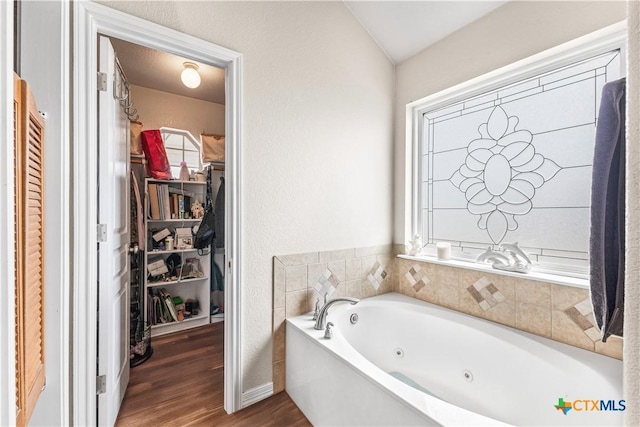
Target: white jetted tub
(406, 362)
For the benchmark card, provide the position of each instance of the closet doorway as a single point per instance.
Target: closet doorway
(92, 21)
(175, 289)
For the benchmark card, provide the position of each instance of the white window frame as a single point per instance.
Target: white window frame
(607, 39)
(185, 134)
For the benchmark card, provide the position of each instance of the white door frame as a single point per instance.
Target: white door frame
(7, 297)
(89, 20)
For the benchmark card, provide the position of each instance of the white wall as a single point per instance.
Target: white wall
(44, 33)
(631, 355)
(7, 225)
(317, 145)
(512, 32)
(157, 109)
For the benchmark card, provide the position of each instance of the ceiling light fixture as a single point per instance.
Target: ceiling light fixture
(190, 77)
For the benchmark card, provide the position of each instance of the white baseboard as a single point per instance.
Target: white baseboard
(257, 394)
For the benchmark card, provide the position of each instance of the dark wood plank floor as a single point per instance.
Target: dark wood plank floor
(182, 385)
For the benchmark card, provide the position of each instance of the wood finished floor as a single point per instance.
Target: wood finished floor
(182, 383)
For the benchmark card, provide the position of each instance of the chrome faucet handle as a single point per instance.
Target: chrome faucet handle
(316, 311)
(322, 315)
(328, 333)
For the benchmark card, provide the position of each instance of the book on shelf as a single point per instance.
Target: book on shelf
(175, 190)
(168, 302)
(174, 206)
(180, 206)
(166, 202)
(154, 205)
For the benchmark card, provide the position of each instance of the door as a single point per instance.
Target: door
(113, 249)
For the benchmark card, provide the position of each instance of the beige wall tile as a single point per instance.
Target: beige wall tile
(278, 283)
(314, 272)
(447, 275)
(447, 295)
(505, 284)
(534, 318)
(297, 303)
(374, 250)
(299, 259)
(341, 291)
(354, 288)
(338, 268)
(336, 255)
(367, 265)
(611, 348)
(504, 312)
(295, 278)
(367, 289)
(565, 330)
(279, 328)
(467, 304)
(533, 292)
(353, 269)
(313, 297)
(386, 285)
(279, 376)
(563, 297)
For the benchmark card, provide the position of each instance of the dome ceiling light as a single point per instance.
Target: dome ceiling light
(189, 76)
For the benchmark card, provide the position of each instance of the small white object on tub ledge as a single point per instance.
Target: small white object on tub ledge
(444, 250)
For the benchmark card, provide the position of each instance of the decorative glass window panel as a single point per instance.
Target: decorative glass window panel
(514, 165)
(181, 146)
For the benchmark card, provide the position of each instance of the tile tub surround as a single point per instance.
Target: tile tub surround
(562, 313)
(300, 279)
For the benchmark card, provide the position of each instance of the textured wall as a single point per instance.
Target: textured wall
(157, 109)
(512, 32)
(41, 20)
(317, 145)
(632, 294)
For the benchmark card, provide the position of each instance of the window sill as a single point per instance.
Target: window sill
(532, 275)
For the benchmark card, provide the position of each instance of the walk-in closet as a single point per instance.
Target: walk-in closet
(173, 110)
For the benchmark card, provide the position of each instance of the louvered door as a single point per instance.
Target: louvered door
(29, 179)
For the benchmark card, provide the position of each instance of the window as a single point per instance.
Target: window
(181, 146)
(511, 161)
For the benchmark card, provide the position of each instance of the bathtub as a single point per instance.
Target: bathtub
(407, 362)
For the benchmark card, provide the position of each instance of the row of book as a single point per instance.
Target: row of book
(160, 307)
(167, 202)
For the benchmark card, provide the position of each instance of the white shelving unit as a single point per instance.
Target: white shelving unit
(190, 288)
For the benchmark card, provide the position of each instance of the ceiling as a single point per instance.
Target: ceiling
(401, 29)
(159, 70)
(404, 28)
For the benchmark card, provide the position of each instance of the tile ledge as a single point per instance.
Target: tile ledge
(533, 275)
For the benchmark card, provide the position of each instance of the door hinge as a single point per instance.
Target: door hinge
(101, 384)
(102, 233)
(102, 81)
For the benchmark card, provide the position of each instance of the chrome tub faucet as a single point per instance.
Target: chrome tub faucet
(322, 314)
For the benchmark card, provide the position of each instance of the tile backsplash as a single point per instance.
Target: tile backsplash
(299, 280)
(558, 312)
(561, 313)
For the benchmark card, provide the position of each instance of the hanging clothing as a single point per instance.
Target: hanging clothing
(217, 279)
(219, 215)
(607, 238)
(139, 215)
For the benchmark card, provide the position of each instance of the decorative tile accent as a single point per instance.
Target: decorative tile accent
(327, 283)
(417, 278)
(581, 314)
(485, 293)
(376, 275)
